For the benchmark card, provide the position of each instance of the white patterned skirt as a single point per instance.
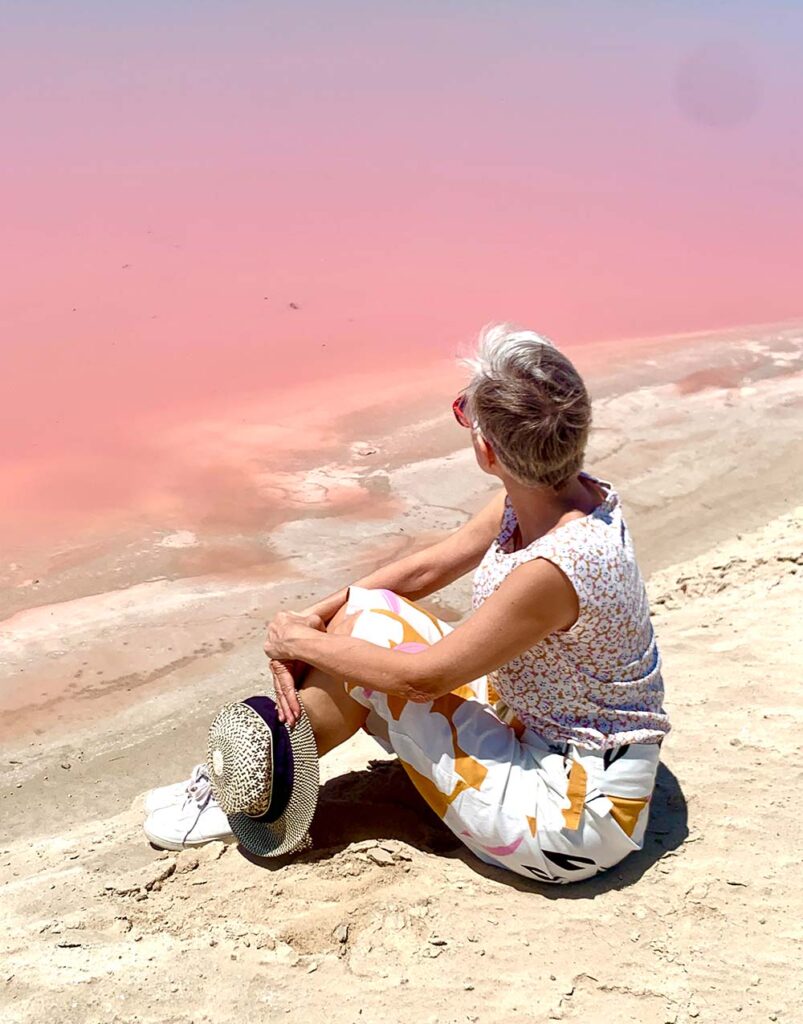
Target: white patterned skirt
(557, 814)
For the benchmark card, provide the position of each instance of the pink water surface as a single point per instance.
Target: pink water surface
(209, 204)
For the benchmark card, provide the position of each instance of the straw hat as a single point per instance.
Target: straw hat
(264, 776)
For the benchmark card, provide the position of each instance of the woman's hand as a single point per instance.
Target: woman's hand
(285, 676)
(286, 670)
(283, 628)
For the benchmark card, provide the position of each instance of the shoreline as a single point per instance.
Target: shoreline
(262, 470)
(126, 636)
(289, 431)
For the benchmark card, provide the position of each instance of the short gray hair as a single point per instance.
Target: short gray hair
(530, 403)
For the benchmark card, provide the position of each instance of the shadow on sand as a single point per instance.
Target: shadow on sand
(381, 803)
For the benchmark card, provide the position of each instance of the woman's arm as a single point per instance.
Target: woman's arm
(422, 573)
(536, 599)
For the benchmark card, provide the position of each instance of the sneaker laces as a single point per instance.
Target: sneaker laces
(198, 792)
(199, 788)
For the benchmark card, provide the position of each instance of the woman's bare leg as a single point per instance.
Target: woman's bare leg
(334, 716)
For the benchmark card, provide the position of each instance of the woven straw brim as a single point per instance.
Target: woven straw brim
(289, 832)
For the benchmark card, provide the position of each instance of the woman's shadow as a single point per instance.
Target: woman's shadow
(380, 802)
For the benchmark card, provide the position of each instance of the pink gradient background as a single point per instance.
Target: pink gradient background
(175, 175)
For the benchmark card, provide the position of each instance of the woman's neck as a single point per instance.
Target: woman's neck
(539, 510)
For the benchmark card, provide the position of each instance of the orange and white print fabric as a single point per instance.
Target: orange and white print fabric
(557, 813)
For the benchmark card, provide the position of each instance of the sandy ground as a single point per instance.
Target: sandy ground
(107, 690)
(387, 920)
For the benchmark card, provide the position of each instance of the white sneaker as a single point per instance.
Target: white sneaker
(166, 796)
(196, 820)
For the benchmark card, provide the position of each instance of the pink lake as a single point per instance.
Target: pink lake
(211, 211)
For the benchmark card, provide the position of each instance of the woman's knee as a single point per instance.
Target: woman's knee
(342, 623)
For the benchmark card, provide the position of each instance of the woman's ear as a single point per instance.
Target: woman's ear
(487, 455)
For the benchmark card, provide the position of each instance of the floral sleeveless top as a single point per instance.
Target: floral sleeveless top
(597, 684)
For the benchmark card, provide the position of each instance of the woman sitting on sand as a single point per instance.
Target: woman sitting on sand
(532, 728)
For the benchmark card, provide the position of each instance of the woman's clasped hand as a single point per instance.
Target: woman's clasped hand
(286, 670)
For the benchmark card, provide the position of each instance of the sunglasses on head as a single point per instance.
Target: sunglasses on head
(459, 410)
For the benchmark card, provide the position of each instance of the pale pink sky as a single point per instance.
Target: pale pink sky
(175, 175)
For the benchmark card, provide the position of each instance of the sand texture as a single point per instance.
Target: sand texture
(388, 920)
